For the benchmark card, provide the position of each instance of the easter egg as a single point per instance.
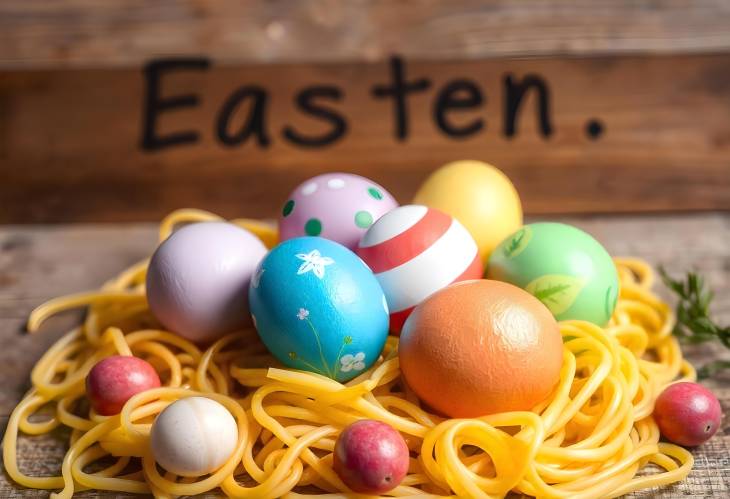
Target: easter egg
(371, 457)
(197, 280)
(565, 268)
(114, 380)
(193, 436)
(413, 251)
(480, 347)
(317, 307)
(479, 196)
(687, 414)
(336, 206)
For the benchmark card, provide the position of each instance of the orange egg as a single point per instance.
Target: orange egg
(481, 347)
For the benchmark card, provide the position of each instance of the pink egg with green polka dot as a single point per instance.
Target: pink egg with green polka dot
(336, 206)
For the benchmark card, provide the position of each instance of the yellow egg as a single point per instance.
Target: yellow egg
(477, 194)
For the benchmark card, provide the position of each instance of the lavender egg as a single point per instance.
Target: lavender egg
(336, 206)
(198, 280)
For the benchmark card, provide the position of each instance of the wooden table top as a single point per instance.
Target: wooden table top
(41, 262)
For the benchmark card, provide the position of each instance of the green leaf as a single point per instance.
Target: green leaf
(558, 292)
(347, 340)
(610, 301)
(694, 324)
(518, 242)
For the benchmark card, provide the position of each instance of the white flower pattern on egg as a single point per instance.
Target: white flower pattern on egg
(315, 262)
(302, 314)
(351, 362)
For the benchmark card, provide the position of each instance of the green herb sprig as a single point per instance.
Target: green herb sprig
(694, 324)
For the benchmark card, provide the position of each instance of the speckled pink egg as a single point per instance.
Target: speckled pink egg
(336, 206)
(198, 279)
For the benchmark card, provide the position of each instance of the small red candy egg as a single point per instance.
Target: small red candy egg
(371, 457)
(114, 380)
(687, 414)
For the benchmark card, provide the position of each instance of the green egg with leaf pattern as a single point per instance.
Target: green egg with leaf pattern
(561, 265)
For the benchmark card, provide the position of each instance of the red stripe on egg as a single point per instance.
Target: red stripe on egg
(475, 270)
(408, 244)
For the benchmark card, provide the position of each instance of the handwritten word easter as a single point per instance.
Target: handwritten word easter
(319, 102)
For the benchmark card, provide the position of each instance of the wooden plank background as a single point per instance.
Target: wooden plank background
(71, 138)
(87, 33)
(653, 76)
(41, 262)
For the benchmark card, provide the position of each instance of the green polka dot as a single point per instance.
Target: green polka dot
(375, 193)
(313, 227)
(288, 207)
(363, 219)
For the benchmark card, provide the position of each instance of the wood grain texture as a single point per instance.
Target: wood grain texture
(40, 262)
(70, 140)
(86, 33)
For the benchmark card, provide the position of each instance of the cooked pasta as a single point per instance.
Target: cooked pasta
(593, 437)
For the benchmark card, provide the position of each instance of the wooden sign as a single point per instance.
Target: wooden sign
(584, 134)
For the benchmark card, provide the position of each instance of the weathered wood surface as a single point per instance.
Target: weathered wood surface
(70, 141)
(85, 33)
(653, 76)
(37, 263)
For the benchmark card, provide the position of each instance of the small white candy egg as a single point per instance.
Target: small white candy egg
(193, 436)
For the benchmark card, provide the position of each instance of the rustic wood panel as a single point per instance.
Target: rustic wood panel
(40, 262)
(70, 141)
(87, 33)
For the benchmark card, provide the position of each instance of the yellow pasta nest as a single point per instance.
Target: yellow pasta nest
(594, 436)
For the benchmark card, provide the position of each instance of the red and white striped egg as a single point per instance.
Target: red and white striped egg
(414, 251)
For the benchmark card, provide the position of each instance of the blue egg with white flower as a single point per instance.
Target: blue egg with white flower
(317, 307)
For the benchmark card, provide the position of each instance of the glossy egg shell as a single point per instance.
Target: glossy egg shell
(197, 281)
(193, 436)
(564, 267)
(318, 307)
(415, 251)
(479, 196)
(481, 347)
(114, 380)
(687, 414)
(371, 457)
(336, 206)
